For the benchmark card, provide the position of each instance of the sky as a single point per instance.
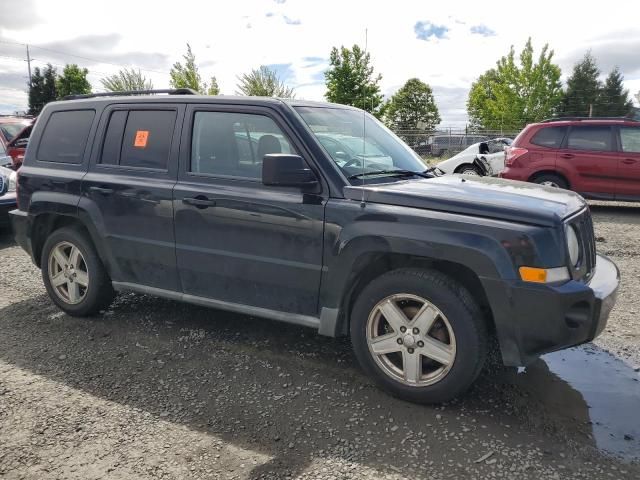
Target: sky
(445, 44)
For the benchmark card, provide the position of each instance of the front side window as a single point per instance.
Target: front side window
(234, 144)
(594, 138)
(10, 130)
(630, 139)
(65, 136)
(357, 142)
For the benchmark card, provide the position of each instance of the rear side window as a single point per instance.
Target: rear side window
(139, 138)
(630, 139)
(590, 138)
(549, 137)
(65, 136)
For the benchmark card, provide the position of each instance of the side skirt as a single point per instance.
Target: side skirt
(295, 318)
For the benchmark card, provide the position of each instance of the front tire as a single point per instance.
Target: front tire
(419, 335)
(468, 170)
(73, 274)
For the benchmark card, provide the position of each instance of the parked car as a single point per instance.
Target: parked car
(7, 194)
(440, 145)
(5, 159)
(14, 135)
(596, 157)
(491, 151)
(151, 194)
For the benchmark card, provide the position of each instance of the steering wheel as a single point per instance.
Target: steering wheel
(353, 162)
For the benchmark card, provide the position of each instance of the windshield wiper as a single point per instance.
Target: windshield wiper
(398, 172)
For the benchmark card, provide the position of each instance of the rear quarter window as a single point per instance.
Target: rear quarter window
(550, 137)
(65, 136)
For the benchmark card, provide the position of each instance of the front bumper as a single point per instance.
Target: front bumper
(535, 319)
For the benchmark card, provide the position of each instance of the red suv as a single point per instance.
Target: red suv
(596, 157)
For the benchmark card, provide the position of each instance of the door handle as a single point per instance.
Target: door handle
(628, 161)
(102, 190)
(567, 155)
(199, 201)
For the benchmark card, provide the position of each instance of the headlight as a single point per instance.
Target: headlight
(573, 245)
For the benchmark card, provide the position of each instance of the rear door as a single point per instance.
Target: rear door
(129, 191)
(590, 156)
(629, 163)
(238, 240)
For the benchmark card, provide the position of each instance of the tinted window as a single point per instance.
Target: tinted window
(113, 138)
(630, 139)
(549, 137)
(590, 138)
(147, 138)
(234, 144)
(65, 136)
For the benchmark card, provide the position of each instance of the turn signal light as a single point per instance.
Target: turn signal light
(544, 275)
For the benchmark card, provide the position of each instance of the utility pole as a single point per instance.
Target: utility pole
(29, 66)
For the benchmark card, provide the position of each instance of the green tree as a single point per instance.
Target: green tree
(263, 82)
(412, 107)
(514, 94)
(73, 81)
(43, 89)
(126, 80)
(583, 88)
(350, 80)
(187, 76)
(613, 100)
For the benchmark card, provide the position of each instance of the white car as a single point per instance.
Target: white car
(489, 153)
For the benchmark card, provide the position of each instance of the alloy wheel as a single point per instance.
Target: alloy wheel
(68, 273)
(411, 340)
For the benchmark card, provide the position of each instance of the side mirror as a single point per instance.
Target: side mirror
(22, 143)
(285, 170)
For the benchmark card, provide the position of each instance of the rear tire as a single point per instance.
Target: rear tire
(419, 335)
(551, 180)
(73, 274)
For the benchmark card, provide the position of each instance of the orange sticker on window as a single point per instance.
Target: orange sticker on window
(141, 138)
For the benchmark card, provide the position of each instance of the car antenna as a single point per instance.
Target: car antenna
(364, 123)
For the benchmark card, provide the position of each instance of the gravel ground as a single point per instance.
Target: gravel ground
(158, 389)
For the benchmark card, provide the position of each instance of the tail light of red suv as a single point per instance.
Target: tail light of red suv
(512, 154)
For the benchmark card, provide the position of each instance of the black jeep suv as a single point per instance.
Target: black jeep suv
(238, 204)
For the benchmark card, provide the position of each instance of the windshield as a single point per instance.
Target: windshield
(10, 130)
(359, 143)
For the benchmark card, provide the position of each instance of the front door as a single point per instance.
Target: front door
(237, 240)
(629, 164)
(589, 152)
(129, 192)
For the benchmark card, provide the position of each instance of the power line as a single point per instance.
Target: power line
(95, 60)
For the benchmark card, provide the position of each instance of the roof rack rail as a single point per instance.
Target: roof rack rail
(169, 91)
(579, 119)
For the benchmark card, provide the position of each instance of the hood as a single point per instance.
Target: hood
(477, 196)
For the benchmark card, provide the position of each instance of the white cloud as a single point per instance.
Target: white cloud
(231, 38)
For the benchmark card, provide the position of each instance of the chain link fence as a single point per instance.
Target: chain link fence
(445, 142)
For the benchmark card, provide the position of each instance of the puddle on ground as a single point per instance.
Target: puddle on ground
(586, 384)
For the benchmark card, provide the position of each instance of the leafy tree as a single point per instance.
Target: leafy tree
(412, 107)
(510, 96)
(613, 99)
(350, 80)
(43, 89)
(126, 80)
(263, 82)
(583, 88)
(187, 76)
(73, 81)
